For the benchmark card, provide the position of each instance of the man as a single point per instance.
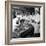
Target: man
(29, 29)
(36, 22)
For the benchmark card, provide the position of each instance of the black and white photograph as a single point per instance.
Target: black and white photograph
(25, 21)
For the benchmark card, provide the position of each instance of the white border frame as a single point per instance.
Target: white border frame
(9, 40)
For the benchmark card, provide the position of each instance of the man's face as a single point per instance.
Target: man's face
(36, 10)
